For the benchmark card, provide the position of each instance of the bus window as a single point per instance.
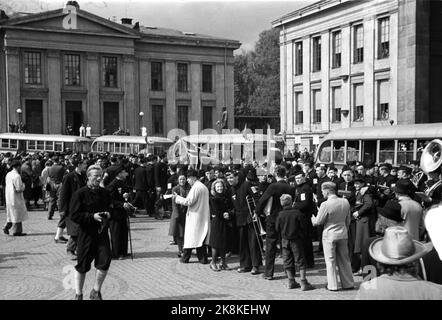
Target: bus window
(325, 152)
(352, 150)
(59, 146)
(136, 148)
(369, 147)
(69, 145)
(386, 151)
(405, 151)
(5, 143)
(49, 145)
(338, 151)
(32, 145)
(117, 147)
(40, 145)
(13, 144)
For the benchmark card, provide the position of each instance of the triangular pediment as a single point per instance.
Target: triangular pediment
(83, 22)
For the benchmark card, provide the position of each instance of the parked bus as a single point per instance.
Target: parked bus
(116, 144)
(223, 148)
(396, 145)
(32, 143)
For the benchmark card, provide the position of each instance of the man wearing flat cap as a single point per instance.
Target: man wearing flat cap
(397, 255)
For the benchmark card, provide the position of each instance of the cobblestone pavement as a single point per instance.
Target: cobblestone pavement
(34, 267)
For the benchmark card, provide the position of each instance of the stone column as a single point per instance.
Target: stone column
(129, 112)
(325, 82)
(370, 45)
(306, 84)
(56, 123)
(13, 81)
(195, 85)
(94, 112)
(345, 67)
(170, 111)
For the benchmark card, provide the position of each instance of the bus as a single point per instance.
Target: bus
(223, 148)
(33, 143)
(126, 145)
(397, 145)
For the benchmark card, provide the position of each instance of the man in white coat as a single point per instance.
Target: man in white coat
(197, 228)
(16, 211)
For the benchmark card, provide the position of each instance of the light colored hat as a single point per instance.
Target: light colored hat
(433, 224)
(397, 247)
(285, 199)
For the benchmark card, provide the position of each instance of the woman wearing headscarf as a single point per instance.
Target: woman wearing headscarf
(221, 207)
(178, 218)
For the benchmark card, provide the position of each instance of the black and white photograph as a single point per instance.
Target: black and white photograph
(217, 157)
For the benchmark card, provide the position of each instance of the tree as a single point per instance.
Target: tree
(257, 77)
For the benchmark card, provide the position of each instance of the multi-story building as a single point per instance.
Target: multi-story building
(359, 63)
(68, 67)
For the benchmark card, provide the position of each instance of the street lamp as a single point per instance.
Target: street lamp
(141, 114)
(20, 118)
(19, 112)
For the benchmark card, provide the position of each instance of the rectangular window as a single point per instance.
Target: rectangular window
(207, 78)
(338, 151)
(405, 151)
(110, 72)
(336, 55)
(156, 76)
(336, 104)
(32, 68)
(358, 55)
(316, 54)
(207, 117)
(298, 58)
(182, 77)
(183, 118)
(383, 100)
(384, 38)
(298, 107)
(316, 106)
(386, 151)
(358, 102)
(353, 150)
(157, 119)
(72, 69)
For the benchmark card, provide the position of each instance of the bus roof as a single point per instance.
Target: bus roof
(411, 131)
(236, 138)
(132, 139)
(43, 137)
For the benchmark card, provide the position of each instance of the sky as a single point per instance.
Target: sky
(236, 20)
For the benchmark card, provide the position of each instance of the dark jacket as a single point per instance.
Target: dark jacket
(161, 175)
(140, 179)
(238, 195)
(116, 190)
(290, 224)
(303, 200)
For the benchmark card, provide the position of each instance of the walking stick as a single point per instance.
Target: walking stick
(126, 197)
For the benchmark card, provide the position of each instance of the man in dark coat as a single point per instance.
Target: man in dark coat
(150, 185)
(119, 225)
(141, 186)
(111, 172)
(274, 192)
(91, 208)
(250, 257)
(161, 175)
(71, 183)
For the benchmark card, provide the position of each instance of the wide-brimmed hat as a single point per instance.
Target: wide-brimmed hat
(397, 247)
(391, 210)
(251, 175)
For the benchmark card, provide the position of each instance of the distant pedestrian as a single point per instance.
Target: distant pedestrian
(88, 131)
(16, 211)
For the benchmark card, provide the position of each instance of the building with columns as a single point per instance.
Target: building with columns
(70, 67)
(359, 64)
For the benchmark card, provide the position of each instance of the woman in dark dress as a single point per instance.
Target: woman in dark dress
(220, 209)
(178, 218)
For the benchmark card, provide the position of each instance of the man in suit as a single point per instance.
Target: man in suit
(150, 185)
(161, 175)
(141, 185)
(274, 192)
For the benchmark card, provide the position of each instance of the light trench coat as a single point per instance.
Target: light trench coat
(197, 229)
(15, 202)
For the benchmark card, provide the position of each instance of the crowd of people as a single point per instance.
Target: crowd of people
(367, 216)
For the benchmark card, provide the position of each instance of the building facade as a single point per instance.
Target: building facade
(359, 63)
(69, 67)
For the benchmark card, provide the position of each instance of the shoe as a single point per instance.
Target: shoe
(171, 242)
(180, 254)
(293, 284)
(95, 295)
(267, 277)
(72, 255)
(306, 286)
(348, 289)
(333, 290)
(63, 238)
(60, 240)
(357, 273)
(50, 218)
(121, 258)
(204, 261)
(19, 234)
(224, 266)
(78, 297)
(244, 270)
(255, 270)
(5, 231)
(215, 267)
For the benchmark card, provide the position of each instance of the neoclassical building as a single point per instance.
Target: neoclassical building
(68, 67)
(359, 64)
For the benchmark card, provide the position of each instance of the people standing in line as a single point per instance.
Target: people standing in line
(178, 218)
(16, 211)
(91, 207)
(71, 182)
(197, 229)
(290, 224)
(220, 210)
(334, 214)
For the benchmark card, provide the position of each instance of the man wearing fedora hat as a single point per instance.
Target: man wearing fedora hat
(397, 255)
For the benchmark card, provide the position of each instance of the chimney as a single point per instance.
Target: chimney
(126, 21)
(137, 26)
(73, 3)
(3, 15)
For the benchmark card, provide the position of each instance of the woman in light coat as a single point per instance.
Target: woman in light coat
(16, 211)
